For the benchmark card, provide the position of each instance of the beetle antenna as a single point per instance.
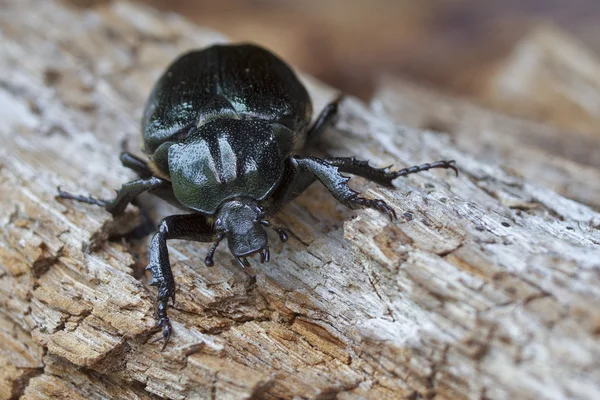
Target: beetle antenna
(265, 255)
(280, 231)
(283, 236)
(211, 252)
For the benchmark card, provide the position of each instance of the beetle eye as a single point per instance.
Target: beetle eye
(219, 224)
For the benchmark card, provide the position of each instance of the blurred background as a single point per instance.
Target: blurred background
(448, 44)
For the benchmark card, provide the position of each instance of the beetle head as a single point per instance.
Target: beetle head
(241, 222)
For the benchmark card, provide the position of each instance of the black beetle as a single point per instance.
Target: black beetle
(222, 129)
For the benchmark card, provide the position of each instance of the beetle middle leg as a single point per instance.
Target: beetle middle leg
(192, 227)
(337, 184)
(383, 176)
(125, 195)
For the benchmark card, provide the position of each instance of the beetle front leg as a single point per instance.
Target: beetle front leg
(125, 195)
(337, 184)
(383, 176)
(193, 227)
(162, 277)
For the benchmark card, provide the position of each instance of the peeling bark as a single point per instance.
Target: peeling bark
(485, 287)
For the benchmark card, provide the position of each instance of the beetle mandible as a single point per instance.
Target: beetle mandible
(222, 129)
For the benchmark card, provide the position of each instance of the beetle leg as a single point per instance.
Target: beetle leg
(324, 120)
(133, 162)
(185, 226)
(164, 323)
(383, 176)
(125, 195)
(374, 203)
(83, 199)
(337, 184)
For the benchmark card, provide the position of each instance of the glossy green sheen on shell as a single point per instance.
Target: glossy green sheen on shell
(220, 122)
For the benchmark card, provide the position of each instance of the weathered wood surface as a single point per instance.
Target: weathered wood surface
(566, 161)
(487, 286)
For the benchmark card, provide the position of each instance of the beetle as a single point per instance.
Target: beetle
(223, 128)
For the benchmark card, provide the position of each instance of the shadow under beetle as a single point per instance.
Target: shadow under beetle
(222, 129)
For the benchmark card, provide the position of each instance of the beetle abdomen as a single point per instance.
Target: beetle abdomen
(224, 159)
(240, 82)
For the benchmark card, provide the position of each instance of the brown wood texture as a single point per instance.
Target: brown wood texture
(487, 286)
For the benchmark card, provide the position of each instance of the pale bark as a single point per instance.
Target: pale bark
(487, 286)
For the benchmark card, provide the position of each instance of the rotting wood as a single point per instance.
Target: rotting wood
(484, 288)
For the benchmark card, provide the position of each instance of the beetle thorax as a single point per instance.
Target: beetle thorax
(225, 159)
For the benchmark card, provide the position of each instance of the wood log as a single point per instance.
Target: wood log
(487, 286)
(566, 161)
